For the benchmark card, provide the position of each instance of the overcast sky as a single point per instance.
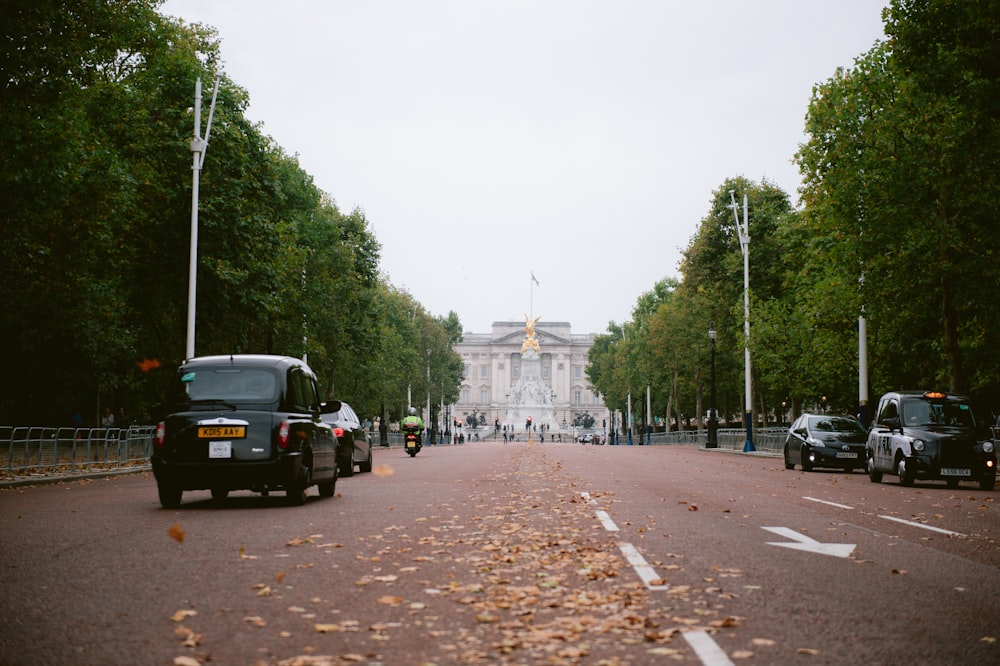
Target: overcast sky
(576, 139)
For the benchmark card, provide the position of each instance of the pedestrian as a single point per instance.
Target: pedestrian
(108, 419)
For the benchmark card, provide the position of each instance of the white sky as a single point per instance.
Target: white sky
(577, 139)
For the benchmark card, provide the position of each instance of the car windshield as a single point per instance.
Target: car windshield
(227, 384)
(918, 412)
(835, 424)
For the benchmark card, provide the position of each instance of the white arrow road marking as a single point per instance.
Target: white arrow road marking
(802, 542)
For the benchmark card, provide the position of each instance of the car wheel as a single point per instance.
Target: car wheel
(366, 466)
(788, 463)
(347, 469)
(874, 475)
(905, 477)
(170, 495)
(806, 465)
(329, 488)
(296, 491)
(988, 482)
(219, 494)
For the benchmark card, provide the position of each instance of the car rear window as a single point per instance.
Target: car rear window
(226, 384)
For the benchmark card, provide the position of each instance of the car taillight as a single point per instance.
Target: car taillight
(339, 432)
(283, 435)
(160, 436)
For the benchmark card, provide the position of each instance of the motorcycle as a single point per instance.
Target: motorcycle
(412, 442)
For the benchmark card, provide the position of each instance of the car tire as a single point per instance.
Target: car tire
(296, 491)
(906, 477)
(329, 488)
(170, 495)
(788, 463)
(366, 466)
(348, 468)
(874, 475)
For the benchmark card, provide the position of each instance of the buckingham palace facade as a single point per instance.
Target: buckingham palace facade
(493, 365)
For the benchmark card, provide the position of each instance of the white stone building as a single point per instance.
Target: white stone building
(493, 368)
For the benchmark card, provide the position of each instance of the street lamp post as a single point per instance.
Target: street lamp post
(713, 421)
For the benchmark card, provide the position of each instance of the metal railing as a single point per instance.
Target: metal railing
(43, 450)
(764, 439)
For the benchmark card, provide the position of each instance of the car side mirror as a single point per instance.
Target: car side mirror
(329, 407)
(892, 423)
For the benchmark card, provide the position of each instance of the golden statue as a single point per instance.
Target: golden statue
(530, 341)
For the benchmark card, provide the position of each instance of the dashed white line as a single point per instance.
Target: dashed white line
(642, 568)
(605, 519)
(926, 527)
(839, 506)
(707, 649)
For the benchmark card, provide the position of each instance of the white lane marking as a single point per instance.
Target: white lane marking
(839, 506)
(585, 495)
(642, 567)
(808, 544)
(605, 519)
(926, 527)
(707, 649)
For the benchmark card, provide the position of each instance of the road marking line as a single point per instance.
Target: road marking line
(585, 495)
(641, 567)
(605, 519)
(839, 506)
(707, 649)
(808, 544)
(926, 527)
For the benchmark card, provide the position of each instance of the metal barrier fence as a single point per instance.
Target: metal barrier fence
(764, 439)
(30, 450)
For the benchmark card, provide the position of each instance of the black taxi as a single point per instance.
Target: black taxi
(930, 435)
(243, 422)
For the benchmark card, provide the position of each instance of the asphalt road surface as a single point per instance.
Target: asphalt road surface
(509, 554)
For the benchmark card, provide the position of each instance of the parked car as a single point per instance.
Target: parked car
(243, 422)
(824, 440)
(354, 446)
(930, 435)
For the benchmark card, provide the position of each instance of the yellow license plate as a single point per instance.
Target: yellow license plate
(222, 432)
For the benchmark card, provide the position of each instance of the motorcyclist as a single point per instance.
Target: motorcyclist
(413, 422)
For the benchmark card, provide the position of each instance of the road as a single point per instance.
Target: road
(521, 553)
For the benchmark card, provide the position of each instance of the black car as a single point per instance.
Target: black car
(930, 435)
(823, 440)
(243, 422)
(353, 443)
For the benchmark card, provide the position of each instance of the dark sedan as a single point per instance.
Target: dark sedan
(822, 440)
(243, 422)
(354, 446)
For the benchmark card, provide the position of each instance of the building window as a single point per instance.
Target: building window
(577, 372)
(465, 371)
(484, 396)
(576, 397)
(484, 371)
(465, 396)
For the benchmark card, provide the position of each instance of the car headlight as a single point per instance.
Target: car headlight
(987, 447)
(918, 445)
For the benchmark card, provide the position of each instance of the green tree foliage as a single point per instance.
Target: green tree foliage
(95, 126)
(900, 179)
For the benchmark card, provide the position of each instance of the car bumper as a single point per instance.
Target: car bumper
(265, 475)
(826, 457)
(931, 468)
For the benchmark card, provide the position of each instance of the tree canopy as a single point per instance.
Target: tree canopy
(96, 120)
(897, 223)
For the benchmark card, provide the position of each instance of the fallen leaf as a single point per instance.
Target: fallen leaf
(256, 621)
(186, 661)
(811, 651)
(763, 642)
(383, 470)
(181, 614)
(327, 628)
(176, 532)
(390, 600)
